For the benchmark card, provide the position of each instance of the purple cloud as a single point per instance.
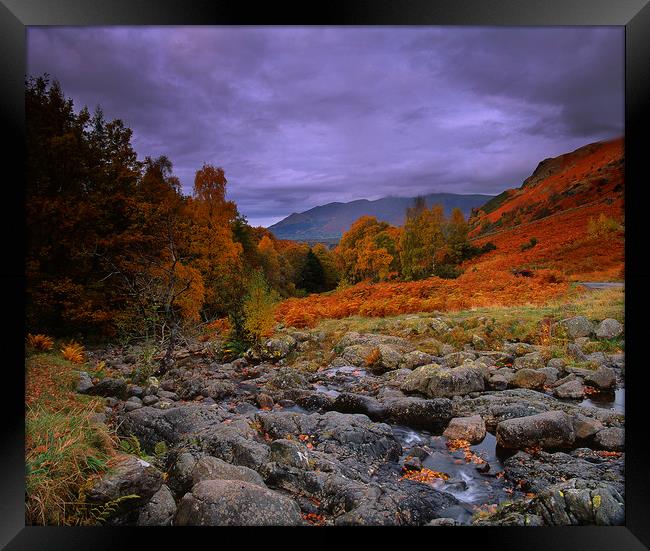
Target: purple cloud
(303, 116)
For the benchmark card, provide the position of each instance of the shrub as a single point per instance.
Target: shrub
(259, 308)
(530, 244)
(74, 352)
(603, 226)
(447, 271)
(42, 343)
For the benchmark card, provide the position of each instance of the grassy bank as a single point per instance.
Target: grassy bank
(64, 445)
(525, 323)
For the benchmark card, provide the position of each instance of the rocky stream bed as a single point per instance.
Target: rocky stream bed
(471, 436)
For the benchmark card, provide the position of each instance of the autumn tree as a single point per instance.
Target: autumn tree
(81, 175)
(259, 308)
(367, 251)
(216, 254)
(421, 240)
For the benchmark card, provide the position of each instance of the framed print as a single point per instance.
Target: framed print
(369, 265)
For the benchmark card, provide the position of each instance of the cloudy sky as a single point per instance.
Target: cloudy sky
(302, 116)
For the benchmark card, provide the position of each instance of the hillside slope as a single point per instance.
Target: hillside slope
(572, 206)
(334, 219)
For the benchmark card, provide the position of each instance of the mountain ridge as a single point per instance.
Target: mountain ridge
(331, 220)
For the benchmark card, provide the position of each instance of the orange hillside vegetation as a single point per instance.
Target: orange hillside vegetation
(480, 288)
(573, 205)
(566, 222)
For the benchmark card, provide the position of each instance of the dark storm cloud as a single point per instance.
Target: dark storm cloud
(303, 116)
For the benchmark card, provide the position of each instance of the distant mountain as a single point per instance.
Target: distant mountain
(327, 222)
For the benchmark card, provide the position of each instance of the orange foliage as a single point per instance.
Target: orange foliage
(74, 352)
(424, 475)
(575, 210)
(473, 289)
(373, 357)
(464, 445)
(221, 326)
(40, 342)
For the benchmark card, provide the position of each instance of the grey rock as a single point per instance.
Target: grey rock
(132, 406)
(532, 360)
(85, 383)
(160, 509)
(556, 363)
(575, 352)
(575, 327)
(571, 389)
(457, 358)
(212, 468)
(471, 429)
(518, 348)
(430, 415)
(150, 400)
(551, 429)
(585, 427)
(498, 382)
(612, 438)
(603, 378)
(289, 452)
(435, 381)
(286, 378)
(167, 395)
(608, 329)
(235, 503)
(135, 390)
(528, 378)
(414, 359)
(550, 373)
(132, 476)
(171, 425)
(109, 387)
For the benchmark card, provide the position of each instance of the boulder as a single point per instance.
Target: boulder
(431, 414)
(603, 378)
(498, 382)
(532, 360)
(585, 427)
(435, 381)
(550, 373)
(84, 384)
(109, 387)
(556, 363)
(278, 347)
(290, 453)
(608, 329)
(551, 429)
(212, 468)
(575, 327)
(131, 477)
(235, 503)
(286, 378)
(571, 389)
(457, 358)
(528, 378)
(414, 359)
(518, 348)
(471, 429)
(612, 438)
(160, 509)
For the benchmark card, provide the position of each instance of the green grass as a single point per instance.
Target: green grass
(495, 324)
(64, 445)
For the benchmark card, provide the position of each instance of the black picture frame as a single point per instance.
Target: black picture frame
(15, 15)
